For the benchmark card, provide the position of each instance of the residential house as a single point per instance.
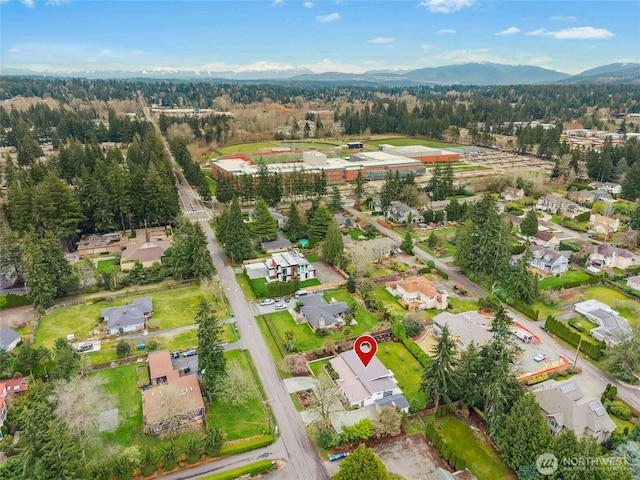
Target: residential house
(100, 244)
(418, 293)
(634, 282)
(564, 406)
(515, 221)
(610, 187)
(289, 265)
(608, 256)
(148, 247)
(442, 474)
(603, 225)
(9, 338)
(277, 216)
(546, 260)
(612, 328)
(362, 386)
(400, 212)
(375, 204)
(512, 194)
(279, 245)
(320, 314)
(128, 318)
(583, 197)
(167, 385)
(345, 221)
(555, 204)
(8, 390)
(545, 239)
(465, 328)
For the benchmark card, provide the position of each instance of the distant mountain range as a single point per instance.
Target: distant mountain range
(483, 73)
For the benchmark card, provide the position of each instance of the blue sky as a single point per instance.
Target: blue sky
(347, 36)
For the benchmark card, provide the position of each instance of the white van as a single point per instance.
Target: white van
(300, 293)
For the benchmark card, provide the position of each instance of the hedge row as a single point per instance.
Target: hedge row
(398, 330)
(568, 246)
(448, 452)
(537, 379)
(432, 266)
(247, 446)
(589, 347)
(12, 300)
(280, 289)
(251, 469)
(527, 309)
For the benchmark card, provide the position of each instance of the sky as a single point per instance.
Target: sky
(341, 36)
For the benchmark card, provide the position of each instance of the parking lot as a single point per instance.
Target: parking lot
(263, 309)
(183, 362)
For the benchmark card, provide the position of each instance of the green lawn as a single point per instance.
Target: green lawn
(458, 306)
(381, 294)
(106, 266)
(274, 350)
(312, 257)
(317, 367)
(545, 310)
(259, 286)
(355, 234)
(621, 424)
(405, 367)
(172, 308)
(613, 298)
(304, 337)
(212, 185)
(481, 459)
(245, 286)
(312, 282)
(240, 421)
(551, 282)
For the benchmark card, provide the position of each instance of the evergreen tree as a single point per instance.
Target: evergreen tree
(465, 239)
(469, 374)
(631, 183)
(237, 243)
(225, 190)
(295, 228)
(320, 223)
(407, 244)
(522, 283)
(189, 255)
(333, 246)
(432, 241)
(524, 434)
(362, 464)
(440, 380)
(66, 360)
(358, 188)
(336, 199)
(263, 226)
(211, 359)
(11, 248)
(55, 208)
(529, 224)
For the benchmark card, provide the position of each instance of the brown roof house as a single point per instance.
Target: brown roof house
(564, 406)
(545, 239)
(370, 385)
(512, 194)
(608, 256)
(148, 247)
(173, 402)
(418, 293)
(603, 225)
(99, 244)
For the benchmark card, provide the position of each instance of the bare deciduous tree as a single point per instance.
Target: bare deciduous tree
(388, 422)
(361, 259)
(237, 386)
(176, 409)
(327, 397)
(297, 364)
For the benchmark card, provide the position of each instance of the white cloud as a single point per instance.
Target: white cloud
(425, 47)
(56, 3)
(468, 55)
(332, 17)
(574, 33)
(381, 40)
(13, 50)
(446, 6)
(509, 31)
(559, 18)
(277, 3)
(446, 31)
(308, 4)
(28, 3)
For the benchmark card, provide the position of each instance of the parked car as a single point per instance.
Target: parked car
(540, 357)
(280, 306)
(338, 456)
(175, 355)
(190, 353)
(186, 370)
(85, 347)
(267, 301)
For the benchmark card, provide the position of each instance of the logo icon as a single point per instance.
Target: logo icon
(547, 464)
(365, 347)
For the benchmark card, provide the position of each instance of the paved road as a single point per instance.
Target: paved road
(294, 446)
(629, 394)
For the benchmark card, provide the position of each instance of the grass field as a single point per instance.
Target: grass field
(458, 306)
(405, 367)
(251, 147)
(173, 308)
(245, 286)
(312, 257)
(355, 233)
(212, 185)
(557, 282)
(106, 266)
(274, 350)
(481, 459)
(616, 300)
(381, 294)
(240, 421)
(399, 142)
(317, 367)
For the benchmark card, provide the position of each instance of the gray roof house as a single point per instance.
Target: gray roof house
(612, 328)
(564, 406)
(634, 282)
(319, 313)
(548, 260)
(362, 386)
(9, 338)
(375, 205)
(289, 265)
(278, 245)
(128, 318)
(277, 216)
(400, 212)
(345, 221)
(465, 328)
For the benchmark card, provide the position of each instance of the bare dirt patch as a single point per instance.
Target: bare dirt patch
(12, 317)
(410, 457)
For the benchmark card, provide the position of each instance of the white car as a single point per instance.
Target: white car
(540, 357)
(280, 306)
(267, 301)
